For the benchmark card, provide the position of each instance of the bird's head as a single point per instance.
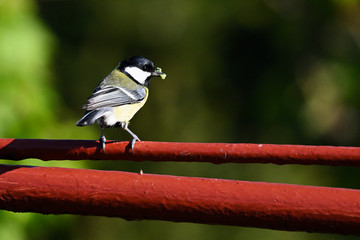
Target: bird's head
(140, 69)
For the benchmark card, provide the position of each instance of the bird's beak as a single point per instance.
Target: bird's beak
(159, 73)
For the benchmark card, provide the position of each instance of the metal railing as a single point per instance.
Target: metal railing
(137, 196)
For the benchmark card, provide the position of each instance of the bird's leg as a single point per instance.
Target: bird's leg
(102, 138)
(135, 138)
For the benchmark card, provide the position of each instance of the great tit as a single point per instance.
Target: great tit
(120, 95)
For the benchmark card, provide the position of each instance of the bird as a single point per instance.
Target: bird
(120, 95)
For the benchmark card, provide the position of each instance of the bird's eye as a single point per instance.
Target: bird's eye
(146, 68)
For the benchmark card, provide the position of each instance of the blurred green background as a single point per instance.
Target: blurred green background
(262, 71)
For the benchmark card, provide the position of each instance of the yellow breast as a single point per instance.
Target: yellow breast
(126, 112)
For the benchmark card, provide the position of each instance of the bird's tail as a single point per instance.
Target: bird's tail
(91, 116)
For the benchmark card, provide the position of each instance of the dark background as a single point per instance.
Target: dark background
(284, 72)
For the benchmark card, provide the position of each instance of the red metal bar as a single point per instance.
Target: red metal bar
(181, 199)
(16, 149)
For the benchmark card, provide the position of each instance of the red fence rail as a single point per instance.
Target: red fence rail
(211, 201)
(217, 153)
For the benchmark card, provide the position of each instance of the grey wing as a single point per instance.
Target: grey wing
(114, 96)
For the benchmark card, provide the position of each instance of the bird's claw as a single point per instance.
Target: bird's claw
(133, 142)
(102, 142)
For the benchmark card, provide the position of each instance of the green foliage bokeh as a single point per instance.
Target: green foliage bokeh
(263, 71)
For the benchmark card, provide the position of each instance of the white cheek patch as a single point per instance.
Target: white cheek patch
(138, 74)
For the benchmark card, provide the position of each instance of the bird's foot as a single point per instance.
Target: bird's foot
(102, 142)
(133, 142)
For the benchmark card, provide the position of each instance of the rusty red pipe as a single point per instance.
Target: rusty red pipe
(17, 149)
(134, 196)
